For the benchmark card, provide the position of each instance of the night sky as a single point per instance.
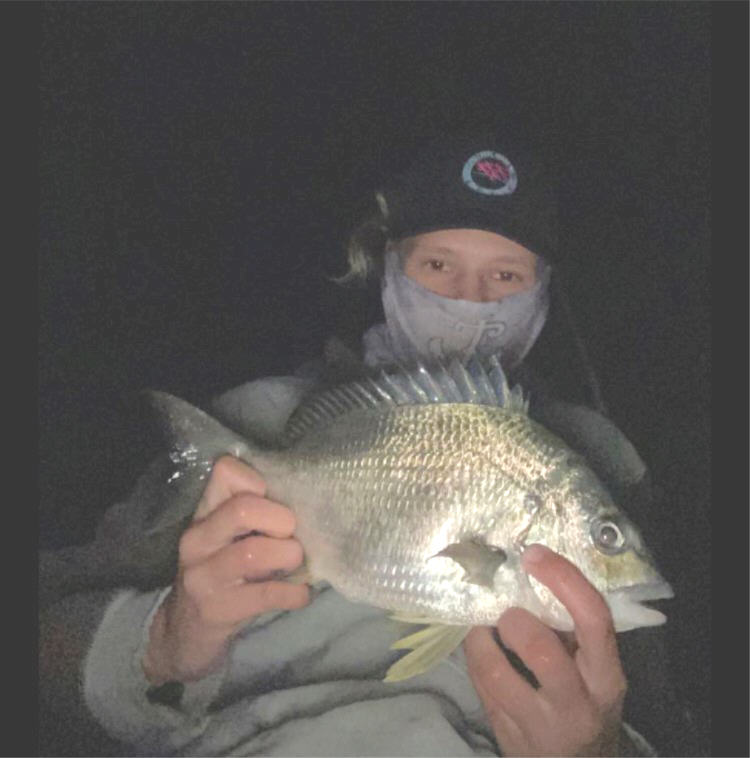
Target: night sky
(202, 164)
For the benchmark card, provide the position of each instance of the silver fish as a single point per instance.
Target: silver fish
(416, 492)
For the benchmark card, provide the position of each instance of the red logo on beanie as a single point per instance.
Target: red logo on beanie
(490, 173)
(493, 170)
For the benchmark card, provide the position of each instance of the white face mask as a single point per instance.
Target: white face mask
(423, 325)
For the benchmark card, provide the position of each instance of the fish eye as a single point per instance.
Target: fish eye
(608, 537)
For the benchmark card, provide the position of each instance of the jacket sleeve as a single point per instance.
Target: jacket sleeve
(93, 692)
(116, 690)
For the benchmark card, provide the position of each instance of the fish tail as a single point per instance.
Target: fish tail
(196, 440)
(197, 435)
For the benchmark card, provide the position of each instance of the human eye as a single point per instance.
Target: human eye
(506, 276)
(436, 264)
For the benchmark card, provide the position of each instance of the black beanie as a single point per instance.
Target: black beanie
(476, 182)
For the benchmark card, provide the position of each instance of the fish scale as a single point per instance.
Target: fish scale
(405, 500)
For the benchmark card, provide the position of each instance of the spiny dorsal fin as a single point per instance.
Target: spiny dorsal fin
(477, 382)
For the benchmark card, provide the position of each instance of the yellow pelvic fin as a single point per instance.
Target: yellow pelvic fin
(420, 638)
(429, 647)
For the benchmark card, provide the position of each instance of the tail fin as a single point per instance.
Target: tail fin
(192, 431)
(196, 441)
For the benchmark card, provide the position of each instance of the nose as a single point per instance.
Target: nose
(471, 287)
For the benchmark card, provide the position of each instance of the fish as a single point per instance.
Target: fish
(416, 489)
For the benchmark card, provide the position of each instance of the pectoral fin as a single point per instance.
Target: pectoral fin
(478, 560)
(429, 647)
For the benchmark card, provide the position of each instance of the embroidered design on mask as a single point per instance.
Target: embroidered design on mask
(469, 338)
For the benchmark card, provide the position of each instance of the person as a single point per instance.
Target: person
(223, 656)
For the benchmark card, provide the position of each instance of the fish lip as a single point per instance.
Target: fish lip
(628, 609)
(639, 592)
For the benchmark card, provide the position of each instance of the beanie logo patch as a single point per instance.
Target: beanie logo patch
(490, 173)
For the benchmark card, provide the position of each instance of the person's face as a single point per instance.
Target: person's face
(469, 264)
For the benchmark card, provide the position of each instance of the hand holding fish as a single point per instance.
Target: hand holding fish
(577, 708)
(228, 558)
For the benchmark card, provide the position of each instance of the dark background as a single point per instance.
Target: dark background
(201, 165)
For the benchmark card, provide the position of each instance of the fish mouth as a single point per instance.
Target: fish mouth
(628, 609)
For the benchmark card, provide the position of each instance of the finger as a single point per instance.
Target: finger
(541, 650)
(234, 518)
(229, 476)
(594, 629)
(239, 604)
(252, 559)
(502, 689)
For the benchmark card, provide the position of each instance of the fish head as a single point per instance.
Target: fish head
(579, 520)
